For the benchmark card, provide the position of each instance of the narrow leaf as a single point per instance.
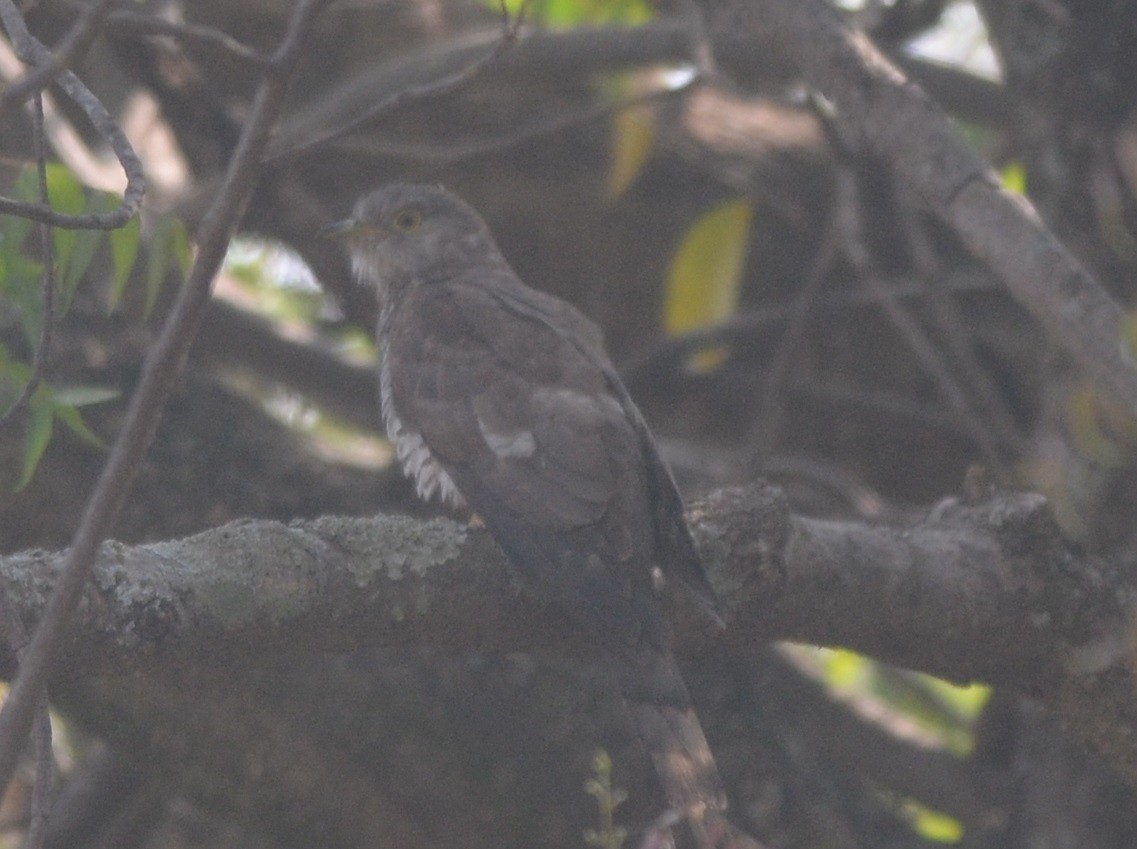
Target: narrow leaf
(37, 434)
(181, 248)
(157, 259)
(705, 273)
(83, 396)
(71, 417)
(86, 244)
(124, 251)
(633, 137)
(67, 196)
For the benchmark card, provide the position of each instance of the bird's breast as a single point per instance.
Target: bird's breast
(414, 455)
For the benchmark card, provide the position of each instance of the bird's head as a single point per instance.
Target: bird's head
(405, 234)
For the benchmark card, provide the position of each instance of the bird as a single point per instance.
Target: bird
(501, 399)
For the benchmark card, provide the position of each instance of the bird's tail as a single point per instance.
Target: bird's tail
(660, 708)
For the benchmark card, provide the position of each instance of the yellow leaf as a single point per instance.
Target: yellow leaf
(1129, 334)
(1103, 432)
(933, 825)
(633, 136)
(1014, 177)
(705, 273)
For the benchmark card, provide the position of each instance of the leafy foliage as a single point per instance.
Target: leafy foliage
(21, 297)
(47, 405)
(608, 798)
(573, 13)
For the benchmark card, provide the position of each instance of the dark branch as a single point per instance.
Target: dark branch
(205, 38)
(44, 72)
(976, 591)
(879, 110)
(159, 373)
(35, 53)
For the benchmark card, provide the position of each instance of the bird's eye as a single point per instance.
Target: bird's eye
(408, 220)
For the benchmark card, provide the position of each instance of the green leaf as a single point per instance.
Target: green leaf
(83, 251)
(569, 13)
(181, 248)
(83, 396)
(124, 251)
(14, 376)
(71, 417)
(87, 243)
(13, 231)
(169, 244)
(37, 434)
(933, 825)
(25, 295)
(705, 273)
(1014, 177)
(67, 196)
(157, 259)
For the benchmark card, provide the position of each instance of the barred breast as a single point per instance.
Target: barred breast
(413, 454)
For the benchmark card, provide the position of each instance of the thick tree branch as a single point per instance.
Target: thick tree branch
(986, 591)
(876, 108)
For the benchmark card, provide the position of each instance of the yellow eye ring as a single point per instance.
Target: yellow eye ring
(407, 220)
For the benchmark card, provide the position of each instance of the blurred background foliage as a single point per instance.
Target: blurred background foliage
(745, 266)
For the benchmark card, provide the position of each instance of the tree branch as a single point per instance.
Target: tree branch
(985, 591)
(877, 108)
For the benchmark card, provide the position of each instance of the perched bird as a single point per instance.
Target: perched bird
(501, 398)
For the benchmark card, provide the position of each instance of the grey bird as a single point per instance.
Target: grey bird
(501, 398)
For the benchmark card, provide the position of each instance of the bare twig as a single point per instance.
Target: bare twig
(12, 629)
(668, 354)
(877, 105)
(958, 336)
(456, 151)
(926, 353)
(205, 38)
(159, 373)
(73, 45)
(44, 776)
(47, 251)
(510, 32)
(34, 52)
(770, 410)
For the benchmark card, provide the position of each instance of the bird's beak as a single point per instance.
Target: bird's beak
(340, 229)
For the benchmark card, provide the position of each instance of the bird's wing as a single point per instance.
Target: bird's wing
(675, 552)
(527, 425)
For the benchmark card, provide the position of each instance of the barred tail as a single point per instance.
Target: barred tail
(660, 709)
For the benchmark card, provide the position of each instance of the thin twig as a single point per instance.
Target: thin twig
(40, 807)
(448, 154)
(894, 120)
(33, 52)
(958, 336)
(13, 631)
(668, 354)
(74, 44)
(134, 23)
(927, 355)
(47, 251)
(765, 426)
(416, 93)
(161, 369)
